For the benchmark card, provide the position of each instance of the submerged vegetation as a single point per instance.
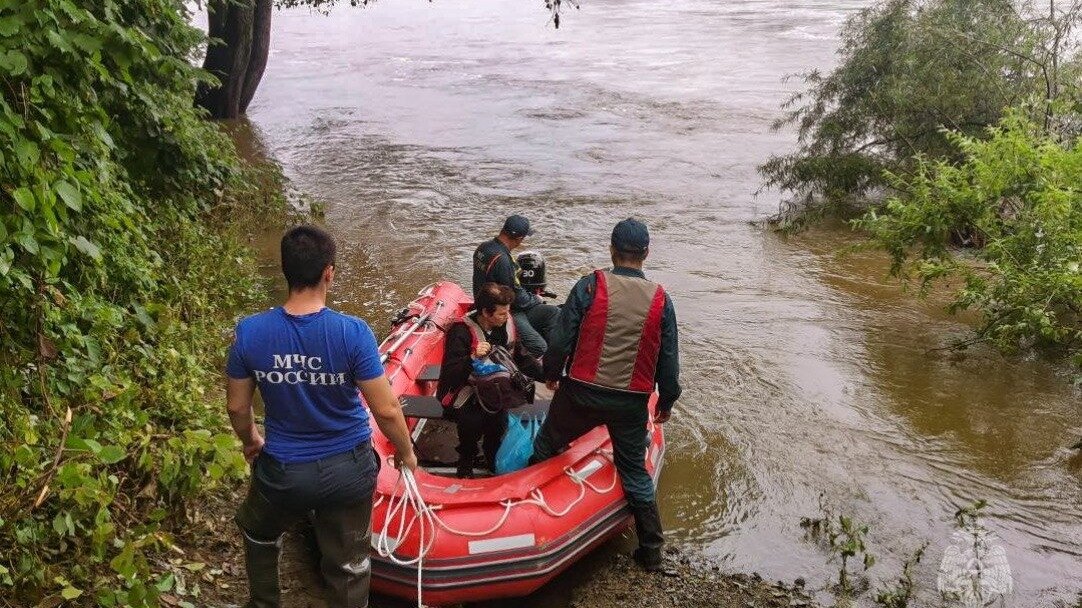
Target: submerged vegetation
(973, 571)
(1016, 198)
(951, 130)
(120, 267)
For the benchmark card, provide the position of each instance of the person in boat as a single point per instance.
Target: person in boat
(493, 263)
(469, 342)
(614, 342)
(308, 362)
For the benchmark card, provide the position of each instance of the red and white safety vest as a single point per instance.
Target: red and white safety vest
(478, 335)
(457, 398)
(620, 335)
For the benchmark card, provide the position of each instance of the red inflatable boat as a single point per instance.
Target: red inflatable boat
(490, 537)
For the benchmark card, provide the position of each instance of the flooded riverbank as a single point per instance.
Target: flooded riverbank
(421, 125)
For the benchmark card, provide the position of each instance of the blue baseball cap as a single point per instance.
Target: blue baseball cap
(631, 236)
(517, 226)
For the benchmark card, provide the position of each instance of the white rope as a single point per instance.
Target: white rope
(539, 498)
(615, 480)
(427, 520)
(507, 504)
(397, 506)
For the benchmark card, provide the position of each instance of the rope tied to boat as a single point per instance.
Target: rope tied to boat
(409, 497)
(427, 519)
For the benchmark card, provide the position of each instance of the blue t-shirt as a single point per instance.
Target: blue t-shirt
(306, 368)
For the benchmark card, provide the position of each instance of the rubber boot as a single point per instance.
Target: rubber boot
(345, 539)
(651, 540)
(261, 562)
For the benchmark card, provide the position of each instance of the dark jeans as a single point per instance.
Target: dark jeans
(568, 420)
(338, 489)
(533, 327)
(474, 425)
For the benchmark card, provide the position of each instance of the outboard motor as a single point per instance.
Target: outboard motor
(531, 271)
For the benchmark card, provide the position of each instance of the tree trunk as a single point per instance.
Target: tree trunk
(228, 56)
(261, 34)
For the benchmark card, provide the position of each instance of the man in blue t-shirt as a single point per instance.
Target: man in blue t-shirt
(308, 362)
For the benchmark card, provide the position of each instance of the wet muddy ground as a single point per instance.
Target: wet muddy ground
(692, 579)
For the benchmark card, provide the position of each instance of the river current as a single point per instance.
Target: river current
(420, 125)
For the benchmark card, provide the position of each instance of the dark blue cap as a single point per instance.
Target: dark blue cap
(631, 236)
(517, 226)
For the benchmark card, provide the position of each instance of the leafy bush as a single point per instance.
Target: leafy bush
(846, 539)
(118, 275)
(1018, 194)
(909, 69)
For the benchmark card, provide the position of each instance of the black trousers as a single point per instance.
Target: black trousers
(568, 420)
(338, 489)
(476, 425)
(534, 326)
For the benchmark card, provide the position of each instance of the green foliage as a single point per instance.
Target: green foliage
(909, 68)
(1017, 197)
(845, 539)
(899, 595)
(970, 515)
(118, 274)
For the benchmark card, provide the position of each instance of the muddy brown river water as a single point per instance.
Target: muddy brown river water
(421, 125)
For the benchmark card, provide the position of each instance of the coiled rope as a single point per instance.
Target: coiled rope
(407, 500)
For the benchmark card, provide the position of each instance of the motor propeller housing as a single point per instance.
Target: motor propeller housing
(531, 271)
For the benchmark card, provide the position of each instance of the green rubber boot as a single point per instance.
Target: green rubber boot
(651, 540)
(261, 562)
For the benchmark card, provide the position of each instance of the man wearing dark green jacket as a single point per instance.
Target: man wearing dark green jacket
(613, 344)
(493, 263)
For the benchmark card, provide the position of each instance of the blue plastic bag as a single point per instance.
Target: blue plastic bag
(483, 367)
(517, 447)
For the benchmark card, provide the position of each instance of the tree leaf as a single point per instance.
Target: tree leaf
(14, 62)
(8, 26)
(28, 243)
(87, 43)
(112, 454)
(28, 154)
(24, 198)
(69, 194)
(87, 247)
(70, 593)
(225, 442)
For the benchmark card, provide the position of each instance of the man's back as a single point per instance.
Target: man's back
(485, 258)
(306, 368)
(317, 461)
(565, 337)
(493, 263)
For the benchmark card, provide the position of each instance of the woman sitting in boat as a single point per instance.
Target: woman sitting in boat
(467, 357)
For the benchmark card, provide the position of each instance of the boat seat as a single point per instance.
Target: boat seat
(424, 406)
(429, 373)
(421, 406)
